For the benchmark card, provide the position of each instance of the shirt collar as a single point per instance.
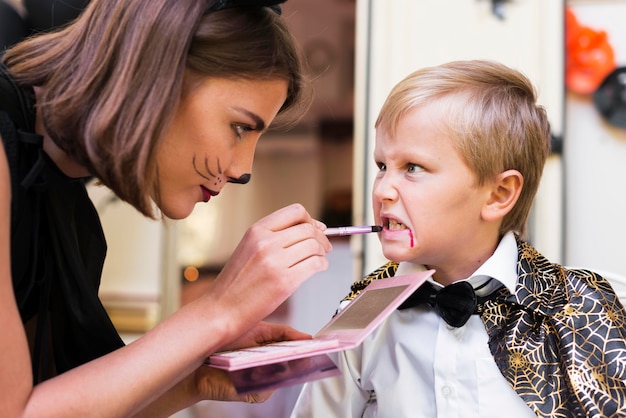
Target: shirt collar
(502, 266)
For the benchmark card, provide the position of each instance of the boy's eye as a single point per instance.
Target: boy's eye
(381, 166)
(414, 168)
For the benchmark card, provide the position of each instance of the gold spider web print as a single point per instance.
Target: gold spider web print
(560, 342)
(386, 270)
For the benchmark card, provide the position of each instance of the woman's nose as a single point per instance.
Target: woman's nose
(240, 166)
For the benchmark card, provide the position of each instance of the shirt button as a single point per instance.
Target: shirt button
(447, 391)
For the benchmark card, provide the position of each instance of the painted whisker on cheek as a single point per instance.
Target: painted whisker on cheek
(193, 162)
(412, 240)
(217, 180)
(206, 166)
(218, 177)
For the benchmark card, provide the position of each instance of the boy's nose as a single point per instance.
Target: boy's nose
(384, 189)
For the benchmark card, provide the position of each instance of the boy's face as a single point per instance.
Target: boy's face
(427, 198)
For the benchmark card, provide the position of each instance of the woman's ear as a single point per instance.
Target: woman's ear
(505, 191)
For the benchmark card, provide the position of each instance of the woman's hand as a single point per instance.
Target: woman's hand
(276, 255)
(214, 384)
(265, 333)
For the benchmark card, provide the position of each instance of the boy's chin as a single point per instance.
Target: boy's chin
(393, 254)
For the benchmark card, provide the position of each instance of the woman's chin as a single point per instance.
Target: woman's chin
(178, 211)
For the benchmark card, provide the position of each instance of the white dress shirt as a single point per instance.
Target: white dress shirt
(416, 365)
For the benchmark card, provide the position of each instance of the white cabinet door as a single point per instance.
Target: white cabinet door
(396, 37)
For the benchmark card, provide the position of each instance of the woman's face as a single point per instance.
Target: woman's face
(212, 138)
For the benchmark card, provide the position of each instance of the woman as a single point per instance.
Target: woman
(163, 101)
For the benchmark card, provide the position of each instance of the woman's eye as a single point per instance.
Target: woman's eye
(241, 129)
(414, 168)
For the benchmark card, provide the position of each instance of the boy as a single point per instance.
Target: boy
(460, 150)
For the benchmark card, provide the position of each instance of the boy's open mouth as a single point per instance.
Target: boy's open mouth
(394, 225)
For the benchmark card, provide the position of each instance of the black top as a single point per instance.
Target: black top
(57, 246)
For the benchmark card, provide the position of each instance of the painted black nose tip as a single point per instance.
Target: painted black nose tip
(243, 179)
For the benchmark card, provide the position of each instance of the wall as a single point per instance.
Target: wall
(134, 271)
(594, 154)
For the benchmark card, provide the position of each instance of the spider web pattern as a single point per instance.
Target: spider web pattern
(386, 270)
(560, 341)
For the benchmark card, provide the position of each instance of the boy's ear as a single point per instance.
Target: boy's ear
(506, 189)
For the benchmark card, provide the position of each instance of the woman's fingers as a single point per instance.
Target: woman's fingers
(266, 332)
(276, 255)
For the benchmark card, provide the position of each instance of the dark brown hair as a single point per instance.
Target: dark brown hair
(114, 77)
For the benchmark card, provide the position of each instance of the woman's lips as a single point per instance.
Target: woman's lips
(207, 193)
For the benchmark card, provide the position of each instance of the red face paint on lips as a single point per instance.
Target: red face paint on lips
(206, 193)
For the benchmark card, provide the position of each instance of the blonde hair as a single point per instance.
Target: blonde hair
(491, 114)
(114, 77)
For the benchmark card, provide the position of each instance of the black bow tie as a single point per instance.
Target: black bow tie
(455, 303)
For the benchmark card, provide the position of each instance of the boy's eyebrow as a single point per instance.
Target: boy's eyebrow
(259, 122)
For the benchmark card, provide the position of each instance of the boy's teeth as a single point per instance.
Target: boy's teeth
(396, 225)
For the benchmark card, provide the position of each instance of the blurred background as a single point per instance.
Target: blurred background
(574, 51)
